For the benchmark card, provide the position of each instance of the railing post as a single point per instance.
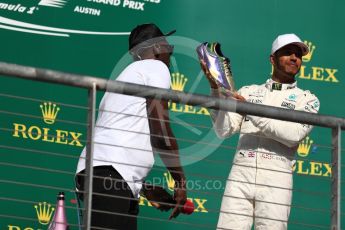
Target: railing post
(89, 157)
(336, 179)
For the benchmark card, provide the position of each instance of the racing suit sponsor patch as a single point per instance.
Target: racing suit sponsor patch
(312, 106)
(270, 156)
(255, 100)
(288, 105)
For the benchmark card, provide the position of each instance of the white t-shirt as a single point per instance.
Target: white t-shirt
(122, 135)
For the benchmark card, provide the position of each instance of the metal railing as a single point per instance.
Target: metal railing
(93, 84)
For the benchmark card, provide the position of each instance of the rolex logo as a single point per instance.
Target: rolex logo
(44, 212)
(170, 181)
(304, 147)
(316, 73)
(34, 132)
(312, 48)
(178, 81)
(49, 112)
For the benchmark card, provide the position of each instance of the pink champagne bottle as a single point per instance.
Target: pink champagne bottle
(59, 221)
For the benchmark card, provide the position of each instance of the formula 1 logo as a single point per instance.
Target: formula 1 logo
(22, 7)
(15, 25)
(52, 3)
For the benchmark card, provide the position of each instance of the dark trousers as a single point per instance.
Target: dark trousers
(113, 207)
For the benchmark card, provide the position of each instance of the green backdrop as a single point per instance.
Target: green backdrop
(89, 37)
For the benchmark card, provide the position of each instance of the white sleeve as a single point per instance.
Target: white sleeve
(159, 75)
(225, 123)
(286, 132)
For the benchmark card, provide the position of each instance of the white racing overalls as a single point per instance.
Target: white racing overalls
(259, 187)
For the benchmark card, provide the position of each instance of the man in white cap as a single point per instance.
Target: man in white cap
(259, 187)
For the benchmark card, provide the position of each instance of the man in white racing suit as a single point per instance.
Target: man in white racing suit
(259, 187)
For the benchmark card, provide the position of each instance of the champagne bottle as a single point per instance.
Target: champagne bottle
(59, 221)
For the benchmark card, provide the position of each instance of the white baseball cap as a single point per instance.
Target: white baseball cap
(287, 39)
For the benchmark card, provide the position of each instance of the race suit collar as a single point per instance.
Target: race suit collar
(273, 85)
